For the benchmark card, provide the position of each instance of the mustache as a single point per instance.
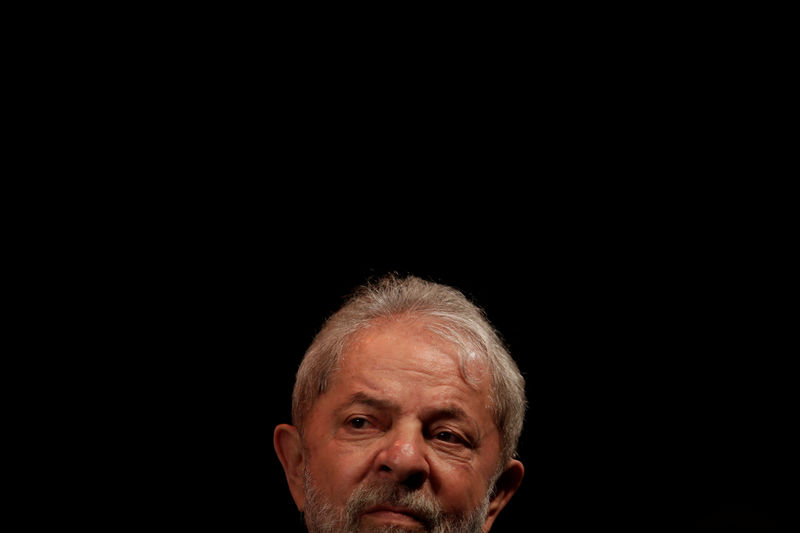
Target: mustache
(423, 507)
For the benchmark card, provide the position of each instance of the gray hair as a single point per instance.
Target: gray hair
(449, 315)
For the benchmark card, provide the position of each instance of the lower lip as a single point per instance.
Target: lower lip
(390, 517)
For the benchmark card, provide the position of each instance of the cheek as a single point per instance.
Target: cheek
(336, 471)
(458, 487)
(463, 485)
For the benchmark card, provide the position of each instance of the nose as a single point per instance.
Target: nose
(404, 459)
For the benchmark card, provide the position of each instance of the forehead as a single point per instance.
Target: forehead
(405, 359)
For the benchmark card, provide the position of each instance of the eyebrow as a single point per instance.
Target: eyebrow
(371, 401)
(451, 412)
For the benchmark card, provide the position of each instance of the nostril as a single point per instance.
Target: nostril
(415, 480)
(385, 468)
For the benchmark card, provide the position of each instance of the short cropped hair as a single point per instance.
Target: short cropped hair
(448, 314)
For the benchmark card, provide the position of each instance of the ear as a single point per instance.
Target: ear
(286, 440)
(504, 488)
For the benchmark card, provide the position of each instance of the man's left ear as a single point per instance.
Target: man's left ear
(504, 488)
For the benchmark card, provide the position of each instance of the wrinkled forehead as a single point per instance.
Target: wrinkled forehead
(455, 354)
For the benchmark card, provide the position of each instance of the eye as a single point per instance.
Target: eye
(358, 422)
(450, 438)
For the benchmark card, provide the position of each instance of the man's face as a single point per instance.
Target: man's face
(400, 438)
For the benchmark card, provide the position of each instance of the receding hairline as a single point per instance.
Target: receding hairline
(420, 323)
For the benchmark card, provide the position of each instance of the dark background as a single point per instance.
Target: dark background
(609, 192)
(609, 206)
(655, 389)
(653, 350)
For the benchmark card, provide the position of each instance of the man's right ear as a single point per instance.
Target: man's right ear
(290, 453)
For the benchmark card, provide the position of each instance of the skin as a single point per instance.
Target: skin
(398, 409)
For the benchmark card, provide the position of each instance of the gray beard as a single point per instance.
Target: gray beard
(322, 517)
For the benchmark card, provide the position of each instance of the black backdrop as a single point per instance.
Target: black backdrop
(657, 388)
(611, 211)
(638, 265)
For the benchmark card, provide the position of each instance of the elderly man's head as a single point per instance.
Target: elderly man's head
(407, 410)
